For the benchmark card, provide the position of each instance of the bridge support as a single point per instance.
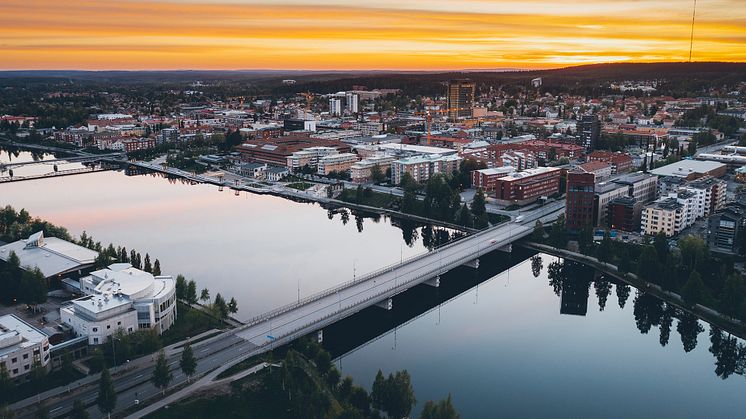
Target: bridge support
(473, 264)
(386, 304)
(507, 248)
(320, 336)
(433, 282)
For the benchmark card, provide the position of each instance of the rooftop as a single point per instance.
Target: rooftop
(51, 255)
(684, 168)
(16, 333)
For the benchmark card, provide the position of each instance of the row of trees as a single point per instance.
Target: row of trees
(443, 202)
(21, 285)
(187, 291)
(161, 377)
(688, 268)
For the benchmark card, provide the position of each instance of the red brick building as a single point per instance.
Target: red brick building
(579, 203)
(620, 162)
(276, 150)
(527, 186)
(134, 144)
(487, 178)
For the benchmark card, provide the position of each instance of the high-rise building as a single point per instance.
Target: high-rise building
(460, 99)
(351, 102)
(589, 129)
(580, 199)
(335, 107)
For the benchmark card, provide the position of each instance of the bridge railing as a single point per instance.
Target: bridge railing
(313, 297)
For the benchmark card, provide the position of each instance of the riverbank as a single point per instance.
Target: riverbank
(713, 317)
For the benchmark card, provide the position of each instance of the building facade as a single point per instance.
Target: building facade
(21, 345)
(579, 199)
(528, 185)
(589, 131)
(460, 99)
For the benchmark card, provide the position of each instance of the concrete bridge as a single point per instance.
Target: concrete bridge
(80, 159)
(314, 312)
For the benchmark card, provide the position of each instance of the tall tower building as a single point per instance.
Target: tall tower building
(335, 107)
(460, 99)
(351, 102)
(589, 129)
(579, 201)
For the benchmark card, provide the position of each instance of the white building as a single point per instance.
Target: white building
(360, 172)
(21, 345)
(121, 298)
(351, 102)
(339, 162)
(666, 215)
(335, 107)
(421, 168)
(54, 257)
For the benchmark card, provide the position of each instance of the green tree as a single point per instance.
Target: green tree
(605, 250)
(648, 266)
(441, 410)
(181, 287)
(6, 385)
(191, 295)
(220, 307)
(79, 411)
(538, 234)
(693, 291)
(162, 376)
(188, 362)
(68, 371)
(733, 295)
(107, 397)
(377, 175)
(205, 295)
(323, 362)
(378, 392)
(157, 268)
(233, 306)
(399, 395)
(479, 209)
(147, 267)
(558, 233)
(359, 194)
(464, 217)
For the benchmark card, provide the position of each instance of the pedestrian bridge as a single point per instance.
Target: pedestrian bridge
(314, 312)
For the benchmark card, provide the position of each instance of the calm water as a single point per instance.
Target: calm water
(259, 249)
(503, 349)
(495, 338)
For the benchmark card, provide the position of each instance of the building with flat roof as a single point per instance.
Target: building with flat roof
(360, 172)
(642, 186)
(666, 215)
(340, 162)
(724, 227)
(460, 99)
(422, 168)
(54, 257)
(579, 199)
(603, 194)
(601, 169)
(691, 169)
(527, 186)
(624, 214)
(121, 298)
(486, 178)
(21, 345)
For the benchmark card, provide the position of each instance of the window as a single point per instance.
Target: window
(14, 360)
(26, 367)
(15, 371)
(119, 323)
(95, 329)
(25, 356)
(95, 340)
(108, 326)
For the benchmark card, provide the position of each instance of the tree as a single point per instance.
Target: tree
(399, 393)
(205, 295)
(558, 233)
(378, 392)
(648, 266)
(233, 306)
(79, 411)
(359, 194)
(464, 216)
(157, 268)
(732, 295)
(538, 234)
(191, 295)
(147, 267)
(6, 384)
(323, 362)
(441, 410)
(220, 307)
(37, 375)
(107, 397)
(162, 376)
(377, 175)
(181, 287)
(479, 209)
(605, 249)
(693, 291)
(332, 378)
(188, 362)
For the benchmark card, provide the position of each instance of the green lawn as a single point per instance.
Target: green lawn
(191, 322)
(301, 186)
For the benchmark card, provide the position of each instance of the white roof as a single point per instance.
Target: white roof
(16, 333)
(684, 168)
(51, 255)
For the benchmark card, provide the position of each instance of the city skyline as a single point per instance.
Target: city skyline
(382, 35)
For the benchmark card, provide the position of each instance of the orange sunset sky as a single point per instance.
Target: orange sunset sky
(371, 34)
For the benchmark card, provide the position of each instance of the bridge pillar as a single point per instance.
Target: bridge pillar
(320, 336)
(507, 248)
(433, 282)
(386, 304)
(473, 264)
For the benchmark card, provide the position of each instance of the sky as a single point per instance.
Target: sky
(363, 35)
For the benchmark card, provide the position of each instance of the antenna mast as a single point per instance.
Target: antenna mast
(691, 37)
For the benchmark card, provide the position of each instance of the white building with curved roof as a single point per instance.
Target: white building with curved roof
(121, 297)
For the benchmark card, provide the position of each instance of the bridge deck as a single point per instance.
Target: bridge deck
(315, 312)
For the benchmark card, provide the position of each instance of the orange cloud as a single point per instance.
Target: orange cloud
(384, 34)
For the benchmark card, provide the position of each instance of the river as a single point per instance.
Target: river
(507, 340)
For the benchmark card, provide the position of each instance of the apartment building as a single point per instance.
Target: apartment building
(360, 171)
(527, 186)
(21, 345)
(339, 162)
(666, 215)
(421, 168)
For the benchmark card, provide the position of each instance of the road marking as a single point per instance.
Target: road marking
(55, 409)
